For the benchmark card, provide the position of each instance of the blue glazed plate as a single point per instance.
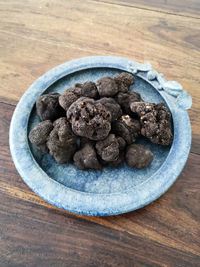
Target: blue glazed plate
(114, 190)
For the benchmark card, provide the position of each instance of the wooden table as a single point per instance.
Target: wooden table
(35, 36)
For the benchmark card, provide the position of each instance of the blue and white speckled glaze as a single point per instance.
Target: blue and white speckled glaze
(114, 190)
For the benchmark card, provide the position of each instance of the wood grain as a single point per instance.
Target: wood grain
(38, 35)
(31, 230)
(184, 7)
(32, 235)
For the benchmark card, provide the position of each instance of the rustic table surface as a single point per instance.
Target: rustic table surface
(35, 36)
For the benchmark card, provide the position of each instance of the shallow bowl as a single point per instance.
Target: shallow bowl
(114, 190)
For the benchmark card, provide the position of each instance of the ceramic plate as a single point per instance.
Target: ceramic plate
(114, 190)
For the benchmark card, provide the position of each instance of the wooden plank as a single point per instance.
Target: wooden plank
(184, 8)
(164, 233)
(29, 47)
(32, 235)
(37, 36)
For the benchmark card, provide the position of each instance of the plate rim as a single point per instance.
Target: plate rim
(70, 199)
